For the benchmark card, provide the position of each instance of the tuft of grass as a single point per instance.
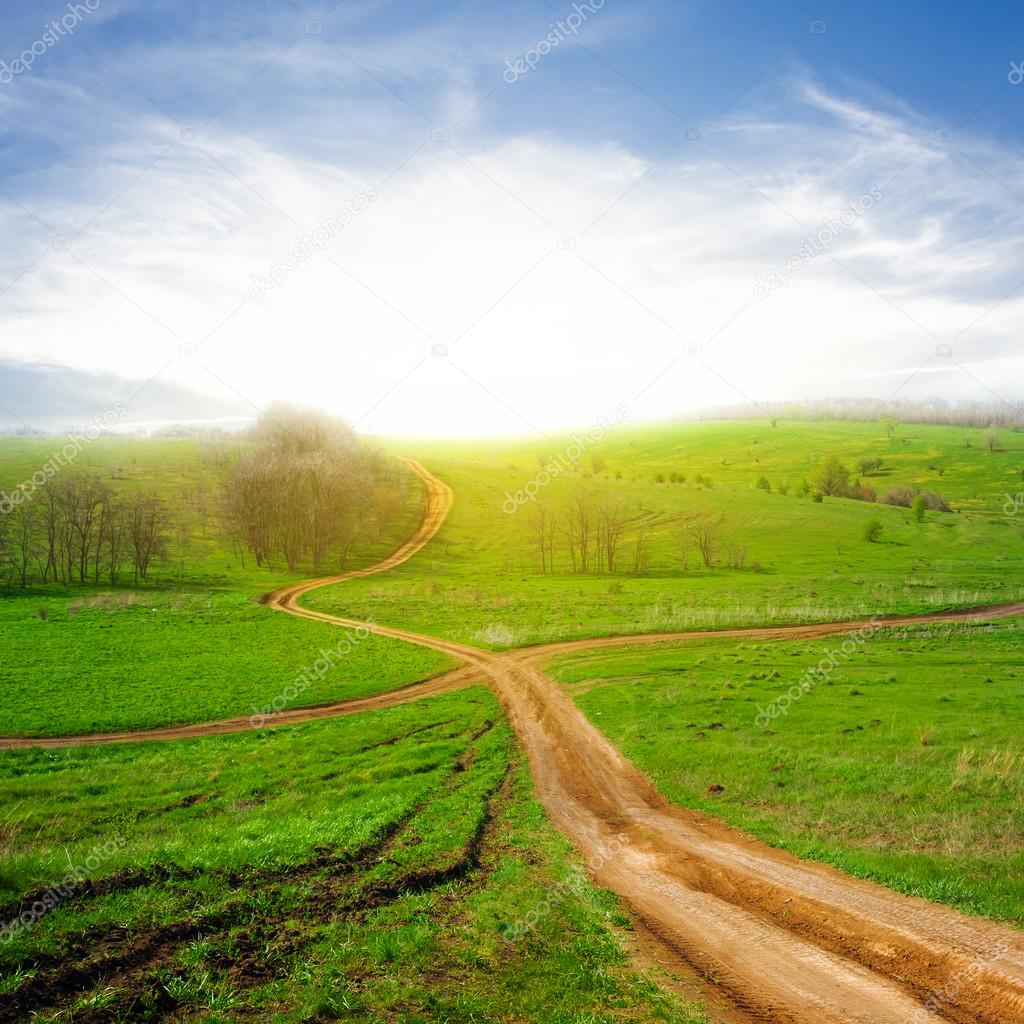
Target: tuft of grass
(900, 785)
(375, 878)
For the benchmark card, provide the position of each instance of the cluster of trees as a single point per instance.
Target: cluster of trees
(706, 535)
(915, 499)
(589, 530)
(76, 528)
(835, 479)
(594, 531)
(300, 490)
(306, 490)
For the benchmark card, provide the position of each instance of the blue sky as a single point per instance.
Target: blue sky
(632, 219)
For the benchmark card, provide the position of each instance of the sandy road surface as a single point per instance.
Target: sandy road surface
(786, 940)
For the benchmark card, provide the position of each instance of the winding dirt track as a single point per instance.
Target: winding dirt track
(785, 940)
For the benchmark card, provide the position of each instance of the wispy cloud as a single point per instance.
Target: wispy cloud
(563, 273)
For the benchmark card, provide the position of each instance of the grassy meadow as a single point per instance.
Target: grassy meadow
(902, 763)
(480, 582)
(370, 868)
(192, 644)
(363, 869)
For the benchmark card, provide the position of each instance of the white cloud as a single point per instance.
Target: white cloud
(462, 250)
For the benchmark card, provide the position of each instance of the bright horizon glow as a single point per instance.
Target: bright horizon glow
(513, 268)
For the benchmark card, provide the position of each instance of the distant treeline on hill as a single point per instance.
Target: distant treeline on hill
(935, 411)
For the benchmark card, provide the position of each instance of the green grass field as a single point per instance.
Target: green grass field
(369, 868)
(806, 561)
(903, 763)
(362, 869)
(191, 645)
(141, 659)
(137, 657)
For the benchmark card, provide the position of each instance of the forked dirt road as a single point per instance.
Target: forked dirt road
(785, 940)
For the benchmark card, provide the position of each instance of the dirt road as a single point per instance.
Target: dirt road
(786, 940)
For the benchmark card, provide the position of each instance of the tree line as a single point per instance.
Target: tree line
(78, 529)
(594, 531)
(300, 489)
(589, 529)
(937, 411)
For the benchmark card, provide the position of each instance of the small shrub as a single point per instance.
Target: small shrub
(934, 502)
(898, 495)
(873, 530)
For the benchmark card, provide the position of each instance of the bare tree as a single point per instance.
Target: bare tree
(640, 550)
(6, 560)
(569, 532)
(82, 497)
(612, 519)
(542, 530)
(109, 533)
(50, 524)
(246, 508)
(735, 552)
(704, 534)
(146, 522)
(115, 539)
(307, 487)
(580, 530)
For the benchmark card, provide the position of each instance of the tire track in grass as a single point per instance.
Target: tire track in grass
(120, 959)
(786, 940)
